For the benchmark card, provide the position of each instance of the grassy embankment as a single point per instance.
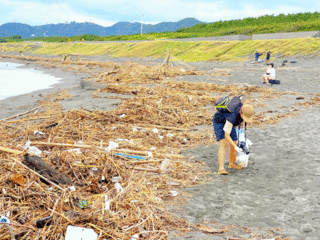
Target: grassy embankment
(185, 51)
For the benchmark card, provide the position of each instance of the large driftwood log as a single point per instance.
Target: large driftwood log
(43, 168)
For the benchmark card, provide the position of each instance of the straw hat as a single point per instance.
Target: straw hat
(247, 112)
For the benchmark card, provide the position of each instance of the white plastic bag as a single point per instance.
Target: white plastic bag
(242, 158)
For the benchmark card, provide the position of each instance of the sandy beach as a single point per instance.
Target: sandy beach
(278, 193)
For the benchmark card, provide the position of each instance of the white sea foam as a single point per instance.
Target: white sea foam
(17, 81)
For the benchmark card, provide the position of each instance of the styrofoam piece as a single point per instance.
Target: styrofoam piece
(155, 130)
(79, 233)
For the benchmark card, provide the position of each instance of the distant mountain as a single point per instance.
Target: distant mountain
(74, 28)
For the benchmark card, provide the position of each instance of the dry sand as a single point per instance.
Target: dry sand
(279, 189)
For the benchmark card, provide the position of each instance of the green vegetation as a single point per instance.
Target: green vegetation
(15, 38)
(190, 51)
(184, 51)
(265, 24)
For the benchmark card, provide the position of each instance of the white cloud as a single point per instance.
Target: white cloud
(107, 12)
(174, 10)
(38, 13)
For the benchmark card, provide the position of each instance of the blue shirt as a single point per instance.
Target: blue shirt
(257, 55)
(268, 55)
(234, 116)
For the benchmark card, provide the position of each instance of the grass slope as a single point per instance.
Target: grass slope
(185, 51)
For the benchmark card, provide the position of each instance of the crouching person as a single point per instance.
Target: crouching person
(269, 75)
(231, 112)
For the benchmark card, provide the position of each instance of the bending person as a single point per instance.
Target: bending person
(224, 123)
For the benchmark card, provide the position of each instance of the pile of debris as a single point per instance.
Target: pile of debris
(111, 174)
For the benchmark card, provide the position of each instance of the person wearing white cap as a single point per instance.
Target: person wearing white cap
(224, 122)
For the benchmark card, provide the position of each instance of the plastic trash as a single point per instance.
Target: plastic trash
(38, 132)
(31, 149)
(106, 203)
(4, 220)
(173, 183)
(75, 150)
(112, 145)
(79, 233)
(83, 204)
(72, 188)
(174, 193)
(242, 159)
(152, 148)
(122, 140)
(131, 156)
(35, 151)
(150, 155)
(122, 115)
(155, 130)
(161, 137)
(182, 70)
(116, 179)
(134, 237)
(169, 135)
(118, 187)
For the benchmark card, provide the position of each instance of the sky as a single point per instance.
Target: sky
(109, 12)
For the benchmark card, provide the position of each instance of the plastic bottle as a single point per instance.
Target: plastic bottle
(118, 187)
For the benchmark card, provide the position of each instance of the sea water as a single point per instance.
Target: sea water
(17, 81)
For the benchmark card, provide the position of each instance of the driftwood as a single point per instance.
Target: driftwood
(146, 153)
(61, 145)
(43, 168)
(9, 150)
(26, 167)
(21, 114)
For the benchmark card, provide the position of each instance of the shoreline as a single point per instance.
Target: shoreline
(21, 103)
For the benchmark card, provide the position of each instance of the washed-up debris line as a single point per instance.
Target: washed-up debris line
(111, 171)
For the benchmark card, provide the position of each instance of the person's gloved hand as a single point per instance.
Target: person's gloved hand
(238, 150)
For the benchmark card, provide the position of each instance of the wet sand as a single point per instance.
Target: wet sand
(279, 189)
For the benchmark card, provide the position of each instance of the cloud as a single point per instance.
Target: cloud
(36, 13)
(107, 12)
(204, 10)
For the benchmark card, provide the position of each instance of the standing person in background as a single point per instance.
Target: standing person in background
(257, 55)
(270, 74)
(268, 54)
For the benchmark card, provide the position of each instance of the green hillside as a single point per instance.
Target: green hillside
(265, 24)
(299, 22)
